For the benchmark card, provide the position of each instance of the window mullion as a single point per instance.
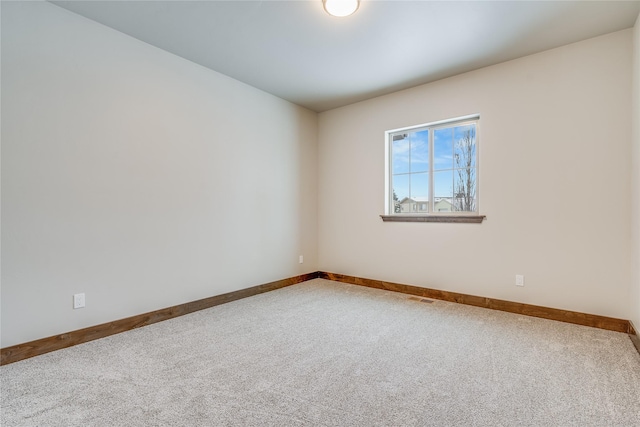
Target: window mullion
(410, 171)
(453, 170)
(431, 197)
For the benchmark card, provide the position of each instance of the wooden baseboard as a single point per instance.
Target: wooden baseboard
(609, 323)
(45, 345)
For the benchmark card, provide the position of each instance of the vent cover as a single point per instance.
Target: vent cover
(425, 300)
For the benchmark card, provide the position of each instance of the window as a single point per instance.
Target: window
(432, 169)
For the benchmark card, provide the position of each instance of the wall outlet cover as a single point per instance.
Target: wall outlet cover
(78, 301)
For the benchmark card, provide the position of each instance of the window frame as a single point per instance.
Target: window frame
(431, 215)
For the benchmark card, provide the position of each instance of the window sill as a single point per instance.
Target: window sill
(469, 219)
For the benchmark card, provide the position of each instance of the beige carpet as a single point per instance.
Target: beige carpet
(323, 353)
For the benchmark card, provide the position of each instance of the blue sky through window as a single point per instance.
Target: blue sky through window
(443, 149)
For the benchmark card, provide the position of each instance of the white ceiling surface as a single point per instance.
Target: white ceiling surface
(294, 50)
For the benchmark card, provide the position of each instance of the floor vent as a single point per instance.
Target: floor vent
(425, 300)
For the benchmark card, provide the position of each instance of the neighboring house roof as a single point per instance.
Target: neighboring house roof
(424, 200)
(414, 199)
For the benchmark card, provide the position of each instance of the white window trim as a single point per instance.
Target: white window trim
(390, 215)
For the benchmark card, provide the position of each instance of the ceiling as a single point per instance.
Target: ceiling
(294, 50)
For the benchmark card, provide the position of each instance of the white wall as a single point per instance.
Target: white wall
(635, 159)
(554, 183)
(138, 177)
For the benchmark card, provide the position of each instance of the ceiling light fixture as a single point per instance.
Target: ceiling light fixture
(340, 8)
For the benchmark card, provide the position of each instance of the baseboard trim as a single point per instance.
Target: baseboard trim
(57, 342)
(595, 321)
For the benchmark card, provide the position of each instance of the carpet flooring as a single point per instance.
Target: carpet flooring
(323, 353)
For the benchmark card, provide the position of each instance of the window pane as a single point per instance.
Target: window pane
(420, 151)
(420, 187)
(400, 149)
(465, 146)
(400, 191)
(443, 185)
(420, 191)
(443, 148)
(465, 190)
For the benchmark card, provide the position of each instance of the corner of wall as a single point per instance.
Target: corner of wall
(635, 176)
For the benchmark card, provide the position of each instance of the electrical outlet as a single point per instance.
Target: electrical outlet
(78, 301)
(300, 259)
(519, 280)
